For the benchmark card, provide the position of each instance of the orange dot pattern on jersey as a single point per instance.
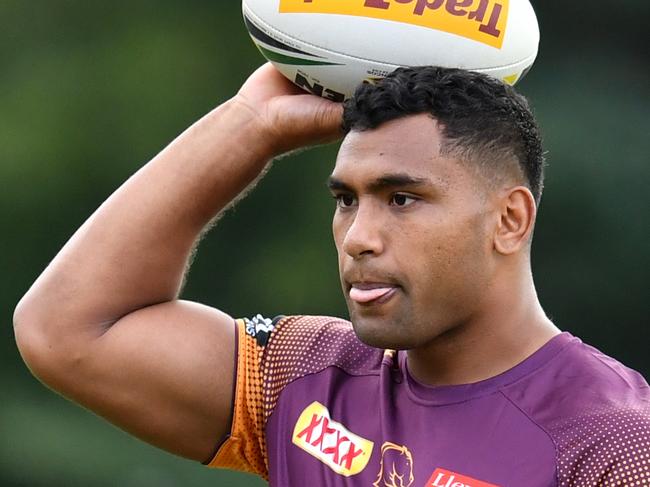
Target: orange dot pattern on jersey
(605, 447)
(244, 450)
(298, 346)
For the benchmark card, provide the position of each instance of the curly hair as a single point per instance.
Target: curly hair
(482, 120)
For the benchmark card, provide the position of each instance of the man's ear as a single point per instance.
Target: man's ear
(518, 211)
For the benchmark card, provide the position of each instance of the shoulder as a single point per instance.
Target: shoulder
(271, 354)
(597, 411)
(607, 444)
(606, 439)
(574, 377)
(590, 379)
(274, 353)
(307, 344)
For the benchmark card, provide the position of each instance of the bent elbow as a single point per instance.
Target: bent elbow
(30, 337)
(45, 354)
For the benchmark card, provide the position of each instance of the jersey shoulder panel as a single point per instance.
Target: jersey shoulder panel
(606, 439)
(271, 355)
(607, 445)
(597, 412)
(305, 345)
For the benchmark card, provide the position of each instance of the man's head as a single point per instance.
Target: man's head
(437, 183)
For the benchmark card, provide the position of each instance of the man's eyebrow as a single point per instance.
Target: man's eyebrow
(397, 180)
(387, 181)
(335, 184)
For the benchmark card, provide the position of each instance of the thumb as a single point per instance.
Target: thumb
(325, 118)
(329, 119)
(305, 120)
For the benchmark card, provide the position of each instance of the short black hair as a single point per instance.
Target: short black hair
(482, 119)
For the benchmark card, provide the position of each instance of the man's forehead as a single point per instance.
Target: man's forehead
(397, 136)
(408, 145)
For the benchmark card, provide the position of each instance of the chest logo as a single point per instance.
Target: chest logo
(445, 478)
(396, 468)
(331, 442)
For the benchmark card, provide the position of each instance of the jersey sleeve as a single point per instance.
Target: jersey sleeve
(270, 355)
(244, 448)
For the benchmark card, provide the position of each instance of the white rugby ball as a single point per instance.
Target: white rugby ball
(328, 47)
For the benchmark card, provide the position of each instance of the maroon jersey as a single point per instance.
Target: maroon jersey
(316, 407)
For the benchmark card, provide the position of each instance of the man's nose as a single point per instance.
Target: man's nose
(364, 235)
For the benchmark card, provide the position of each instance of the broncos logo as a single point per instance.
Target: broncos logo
(396, 468)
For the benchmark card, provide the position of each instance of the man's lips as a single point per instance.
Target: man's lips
(367, 292)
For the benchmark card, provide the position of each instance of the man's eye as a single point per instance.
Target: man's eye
(345, 200)
(402, 200)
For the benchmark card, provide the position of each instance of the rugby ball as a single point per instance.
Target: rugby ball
(328, 47)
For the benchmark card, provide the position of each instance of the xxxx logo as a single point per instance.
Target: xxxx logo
(479, 20)
(331, 442)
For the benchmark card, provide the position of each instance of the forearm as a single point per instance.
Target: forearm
(133, 251)
(102, 326)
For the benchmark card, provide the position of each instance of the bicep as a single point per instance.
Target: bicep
(164, 374)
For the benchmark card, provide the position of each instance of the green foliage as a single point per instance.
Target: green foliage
(90, 90)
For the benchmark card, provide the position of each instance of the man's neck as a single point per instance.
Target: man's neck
(506, 332)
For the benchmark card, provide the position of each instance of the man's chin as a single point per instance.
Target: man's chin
(380, 332)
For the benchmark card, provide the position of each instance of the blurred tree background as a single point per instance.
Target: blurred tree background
(90, 90)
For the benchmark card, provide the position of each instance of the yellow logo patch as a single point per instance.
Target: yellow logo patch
(480, 20)
(331, 442)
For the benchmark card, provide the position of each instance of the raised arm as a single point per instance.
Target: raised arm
(102, 324)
